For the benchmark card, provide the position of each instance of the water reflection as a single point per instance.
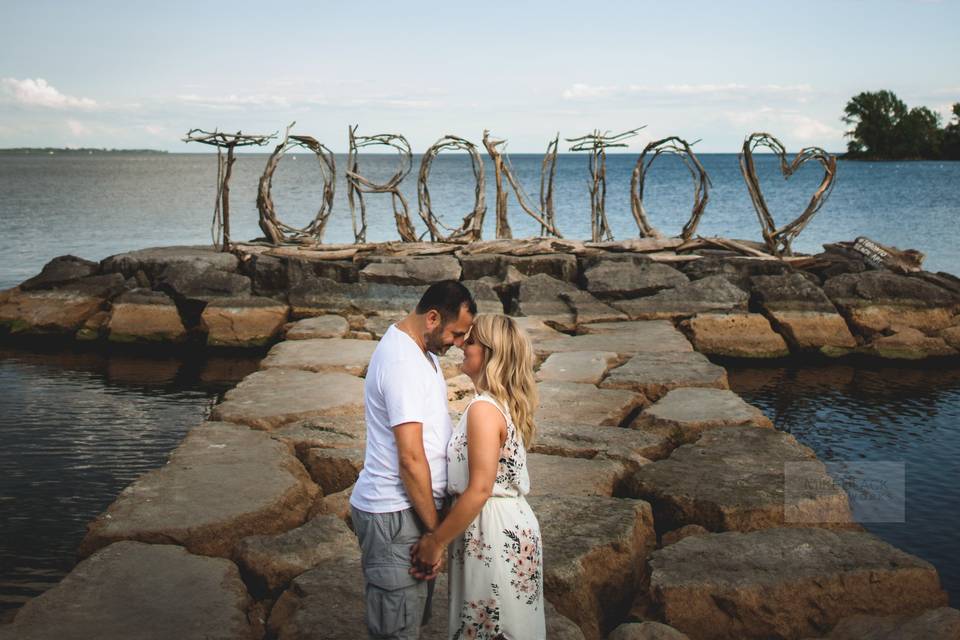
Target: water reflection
(864, 412)
(78, 426)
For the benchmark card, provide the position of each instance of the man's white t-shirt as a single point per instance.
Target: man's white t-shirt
(401, 386)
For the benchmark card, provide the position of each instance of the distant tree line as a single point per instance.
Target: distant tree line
(885, 129)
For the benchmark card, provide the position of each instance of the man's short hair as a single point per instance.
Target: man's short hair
(447, 297)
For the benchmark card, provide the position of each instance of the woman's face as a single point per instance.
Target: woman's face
(472, 356)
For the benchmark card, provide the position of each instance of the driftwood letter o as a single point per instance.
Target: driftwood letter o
(701, 185)
(472, 225)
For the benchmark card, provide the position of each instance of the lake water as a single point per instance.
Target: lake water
(78, 426)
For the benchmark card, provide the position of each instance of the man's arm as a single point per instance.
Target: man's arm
(415, 471)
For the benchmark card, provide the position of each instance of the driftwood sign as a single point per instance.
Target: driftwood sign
(777, 240)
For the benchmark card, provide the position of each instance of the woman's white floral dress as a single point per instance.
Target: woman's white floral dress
(496, 566)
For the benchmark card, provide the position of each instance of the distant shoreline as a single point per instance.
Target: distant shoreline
(79, 151)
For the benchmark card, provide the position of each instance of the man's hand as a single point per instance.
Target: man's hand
(427, 558)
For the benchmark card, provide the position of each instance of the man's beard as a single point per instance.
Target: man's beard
(433, 341)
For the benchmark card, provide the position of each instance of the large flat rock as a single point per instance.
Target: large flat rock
(249, 321)
(593, 553)
(46, 311)
(325, 326)
(321, 354)
(136, 590)
(334, 469)
(733, 479)
(737, 335)
(576, 366)
(633, 447)
(655, 373)
(585, 404)
(630, 276)
(148, 316)
(713, 293)
(317, 296)
(273, 397)
(623, 338)
(540, 295)
(222, 483)
(154, 260)
(411, 270)
(60, 271)
(684, 413)
(347, 432)
(275, 560)
(561, 476)
(935, 624)
(785, 583)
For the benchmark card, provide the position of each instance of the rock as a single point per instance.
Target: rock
(575, 403)
(738, 335)
(633, 447)
(713, 293)
(654, 374)
(577, 366)
(243, 321)
(60, 271)
(594, 551)
(135, 590)
(686, 412)
(540, 296)
(378, 324)
(321, 354)
(322, 295)
(630, 276)
(741, 479)
(785, 583)
(460, 391)
(646, 631)
(276, 560)
(559, 476)
(562, 266)
(46, 311)
(450, 362)
(154, 260)
(623, 338)
(328, 326)
(670, 537)
(336, 504)
(907, 343)
(951, 335)
(737, 270)
(94, 327)
(537, 328)
(935, 624)
(587, 309)
(486, 297)
(145, 316)
(560, 627)
(411, 270)
(274, 397)
(339, 432)
(200, 282)
(334, 469)
(223, 483)
(803, 314)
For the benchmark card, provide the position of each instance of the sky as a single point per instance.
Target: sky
(138, 74)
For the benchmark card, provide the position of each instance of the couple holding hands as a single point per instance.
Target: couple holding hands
(430, 492)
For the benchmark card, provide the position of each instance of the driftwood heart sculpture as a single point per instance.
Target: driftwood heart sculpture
(701, 184)
(779, 240)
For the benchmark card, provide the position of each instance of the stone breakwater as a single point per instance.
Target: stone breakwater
(661, 494)
(832, 304)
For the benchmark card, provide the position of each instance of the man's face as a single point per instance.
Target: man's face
(441, 337)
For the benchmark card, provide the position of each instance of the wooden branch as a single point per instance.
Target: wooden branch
(357, 185)
(472, 226)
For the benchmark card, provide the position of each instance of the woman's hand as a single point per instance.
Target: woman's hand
(427, 556)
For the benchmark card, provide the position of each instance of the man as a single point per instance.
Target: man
(404, 477)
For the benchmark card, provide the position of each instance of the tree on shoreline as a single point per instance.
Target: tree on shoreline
(885, 129)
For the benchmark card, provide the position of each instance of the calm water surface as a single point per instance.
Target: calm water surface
(77, 428)
(868, 414)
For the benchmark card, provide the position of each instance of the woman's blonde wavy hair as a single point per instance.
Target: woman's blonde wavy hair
(507, 371)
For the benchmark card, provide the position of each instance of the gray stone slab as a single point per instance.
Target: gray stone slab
(633, 447)
(734, 479)
(594, 550)
(577, 366)
(221, 484)
(334, 469)
(321, 354)
(325, 326)
(683, 414)
(585, 404)
(560, 476)
(273, 397)
(144, 591)
(713, 293)
(411, 270)
(654, 374)
(623, 338)
(935, 624)
(785, 583)
(630, 276)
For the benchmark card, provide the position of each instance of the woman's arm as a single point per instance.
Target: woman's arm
(486, 433)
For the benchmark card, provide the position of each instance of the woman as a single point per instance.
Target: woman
(495, 554)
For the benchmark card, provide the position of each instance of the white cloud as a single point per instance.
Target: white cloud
(38, 93)
(788, 125)
(234, 102)
(732, 90)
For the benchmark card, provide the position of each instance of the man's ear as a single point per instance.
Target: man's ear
(433, 319)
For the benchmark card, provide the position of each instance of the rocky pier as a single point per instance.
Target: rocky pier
(660, 492)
